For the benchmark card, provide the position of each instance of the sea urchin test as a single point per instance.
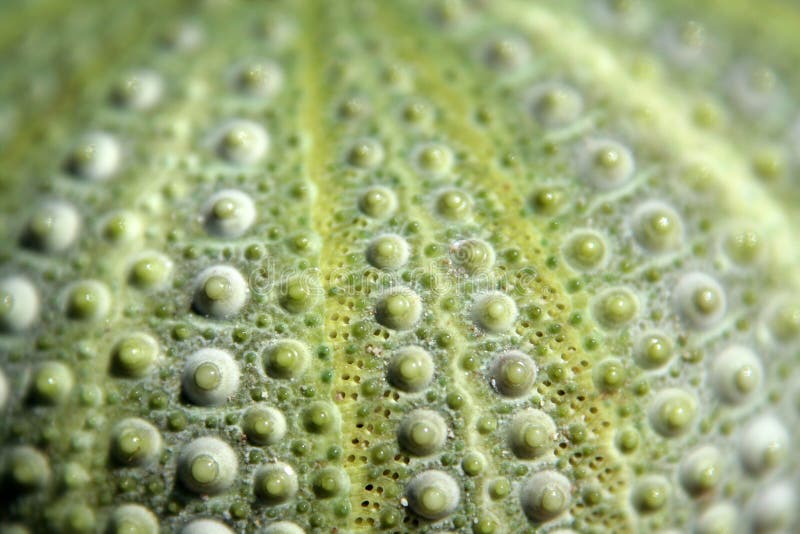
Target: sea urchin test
(413, 266)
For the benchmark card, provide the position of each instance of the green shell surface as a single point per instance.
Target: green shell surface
(477, 266)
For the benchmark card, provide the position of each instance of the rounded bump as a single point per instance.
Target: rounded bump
(210, 377)
(275, 484)
(736, 374)
(264, 425)
(150, 270)
(229, 213)
(378, 202)
(494, 312)
(531, 434)
(19, 304)
(585, 250)
(138, 90)
(672, 412)
(87, 300)
(474, 256)
(657, 227)
(545, 495)
(513, 374)
(96, 157)
(410, 369)
(616, 308)
(134, 355)
(242, 142)
(433, 494)
(207, 466)
(220, 292)
(700, 301)
(422, 432)
(135, 442)
(398, 309)
(763, 444)
(606, 164)
(286, 359)
(132, 519)
(53, 227)
(388, 252)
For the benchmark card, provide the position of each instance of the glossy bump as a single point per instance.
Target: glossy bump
(422, 432)
(531, 434)
(434, 158)
(132, 519)
(229, 213)
(19, 304)
(736, 374)
(138, 90)
(365, 154)
(653, 350)
(242, 142)
(650, 493)
(506, 53)
(672, 412)
(616, 308)
(53, 227)
(95, 158)
(774, 508)
(783, 321)
(320, 417)
(410, 369)
(494, 312)
(298, 294)
(52, 383)
(433, 494)
(26, 468)
(700, 471)
(261, 78)
(134, 355)
(378, 202)
(88, 300)
(207, 465)
(330, 482)
(548, 200)
(453, 204)
(699, 300)
(210, 377)
(275, 484)
(474, 256)
(220, 292)
(555, 105)
(744, 247)
(545, 496)
(609, 375)
(286, 359)
(585, 250)
(388, 252)
(763, 444)
(121, 227)
(150, 270)
(135, 442)
(607, 164)
(657, 227)
(398, 309)
(264, 425)
(721, 517)
(513, 374)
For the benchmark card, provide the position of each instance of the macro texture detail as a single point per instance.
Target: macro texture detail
(403, 265)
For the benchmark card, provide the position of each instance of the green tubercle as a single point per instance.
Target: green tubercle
(410, 266)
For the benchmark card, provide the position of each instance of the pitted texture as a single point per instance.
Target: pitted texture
(413, 266)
